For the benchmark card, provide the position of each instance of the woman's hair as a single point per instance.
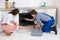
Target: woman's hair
(33, 12)
(15, 11)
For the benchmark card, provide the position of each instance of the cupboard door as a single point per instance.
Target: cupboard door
(41, 10)
(51, 12)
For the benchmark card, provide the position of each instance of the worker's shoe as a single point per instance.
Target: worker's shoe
(55, 30)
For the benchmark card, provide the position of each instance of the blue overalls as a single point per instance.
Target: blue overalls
(47, 24)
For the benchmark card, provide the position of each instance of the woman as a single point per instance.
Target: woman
(9, 24)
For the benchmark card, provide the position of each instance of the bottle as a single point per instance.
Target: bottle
(6, 4)
(13, 4)
(43, 4)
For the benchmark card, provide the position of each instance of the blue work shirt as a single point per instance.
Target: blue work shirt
(42, 17)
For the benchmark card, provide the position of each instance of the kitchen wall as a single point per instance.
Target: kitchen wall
(35, 3)
(2, 3)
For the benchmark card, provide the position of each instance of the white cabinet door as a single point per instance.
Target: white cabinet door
(40, 10)
(51, 12)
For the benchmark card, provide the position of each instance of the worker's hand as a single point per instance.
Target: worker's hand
(29, 19)
(26, 18)
(39, 26)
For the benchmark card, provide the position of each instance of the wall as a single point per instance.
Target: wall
(32, 3)
(35, 3)
(2, 2)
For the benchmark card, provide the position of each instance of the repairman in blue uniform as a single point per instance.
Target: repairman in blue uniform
(46, 19)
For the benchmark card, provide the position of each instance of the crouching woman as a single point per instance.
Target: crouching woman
(8, 24)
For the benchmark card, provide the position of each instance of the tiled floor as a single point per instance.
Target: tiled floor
(27, 36)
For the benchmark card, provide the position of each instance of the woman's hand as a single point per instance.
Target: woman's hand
(15, 23)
